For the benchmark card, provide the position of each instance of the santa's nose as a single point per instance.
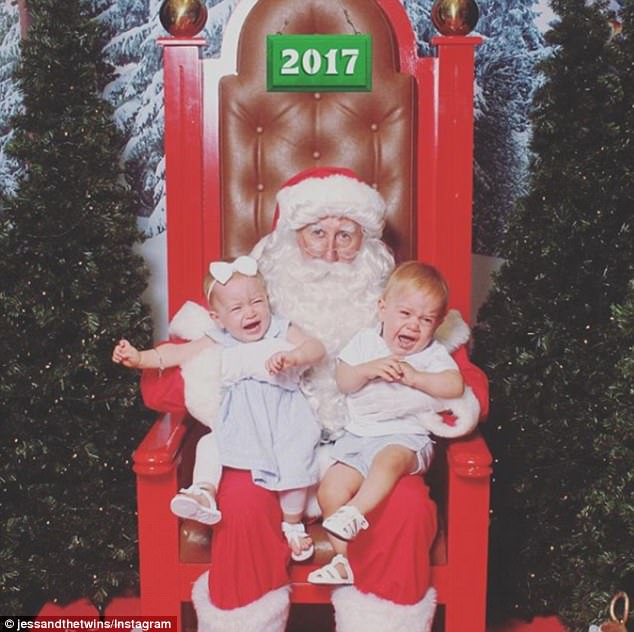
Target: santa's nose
(331, 255)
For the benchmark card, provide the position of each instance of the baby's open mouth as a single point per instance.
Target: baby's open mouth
(404, 339)
(252, 326)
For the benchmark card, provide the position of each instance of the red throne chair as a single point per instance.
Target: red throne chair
(229, 145)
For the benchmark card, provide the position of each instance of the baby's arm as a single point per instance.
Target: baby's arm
(351, 378)
(163, 357)
(447, 384)
(307, 352)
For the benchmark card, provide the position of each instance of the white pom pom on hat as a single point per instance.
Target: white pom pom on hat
(321, 192)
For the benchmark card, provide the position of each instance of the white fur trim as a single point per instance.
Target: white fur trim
(269, 613)
(338, 195)
(453, 331)
(466, 409)
(202, 376)
(452, 334)
(190, 322)
(356, 611)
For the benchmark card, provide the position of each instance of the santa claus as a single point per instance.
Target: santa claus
(325, 267)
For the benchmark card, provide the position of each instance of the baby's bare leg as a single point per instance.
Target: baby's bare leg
(293, 503)
(389, 465)
(340, 483)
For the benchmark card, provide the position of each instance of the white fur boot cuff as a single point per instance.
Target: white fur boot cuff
(359, 612)
(269, 613)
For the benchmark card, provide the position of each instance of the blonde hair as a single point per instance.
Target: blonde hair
(420, 277)
(209, 281)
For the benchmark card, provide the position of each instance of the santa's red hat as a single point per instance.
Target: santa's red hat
(330, 191)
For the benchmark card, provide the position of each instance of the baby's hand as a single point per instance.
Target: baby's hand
(387, 369)
(279, 362)
(124, 353)
(408, 373)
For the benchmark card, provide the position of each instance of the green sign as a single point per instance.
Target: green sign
(309, 63)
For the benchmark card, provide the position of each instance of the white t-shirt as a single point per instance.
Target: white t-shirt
(381, 408)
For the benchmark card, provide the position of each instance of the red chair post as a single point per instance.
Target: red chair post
(446, 169)
(469, 466)
(183, 168)
(156, 463)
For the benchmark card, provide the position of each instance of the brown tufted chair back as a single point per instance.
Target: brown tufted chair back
(266, 137)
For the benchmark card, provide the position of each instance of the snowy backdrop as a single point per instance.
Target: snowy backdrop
(9, 97)
(506, 77)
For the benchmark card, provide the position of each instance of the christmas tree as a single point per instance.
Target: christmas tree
(547, 335)
(69, 288)
(604, 532)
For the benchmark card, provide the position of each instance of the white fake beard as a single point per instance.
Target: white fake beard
(331, 301)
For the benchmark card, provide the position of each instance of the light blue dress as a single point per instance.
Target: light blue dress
(266, 428)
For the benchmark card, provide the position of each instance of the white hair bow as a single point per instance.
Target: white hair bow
(222, 271)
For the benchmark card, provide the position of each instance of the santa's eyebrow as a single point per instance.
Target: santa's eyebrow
(348, 228)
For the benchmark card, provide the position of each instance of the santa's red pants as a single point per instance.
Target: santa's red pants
(250, 556)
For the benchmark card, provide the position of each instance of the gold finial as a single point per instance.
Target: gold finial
(183, 18)
(455, 17)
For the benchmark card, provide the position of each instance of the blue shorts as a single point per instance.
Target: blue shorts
(359, 452)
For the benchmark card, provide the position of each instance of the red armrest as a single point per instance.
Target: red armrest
(469, 456)
(160, 448)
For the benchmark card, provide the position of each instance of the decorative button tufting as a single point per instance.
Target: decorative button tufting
(260, 187)
(317, 96)
(259, 129)
(374, 127)
(316, 155)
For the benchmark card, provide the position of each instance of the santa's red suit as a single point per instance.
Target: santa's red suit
(247, 586)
